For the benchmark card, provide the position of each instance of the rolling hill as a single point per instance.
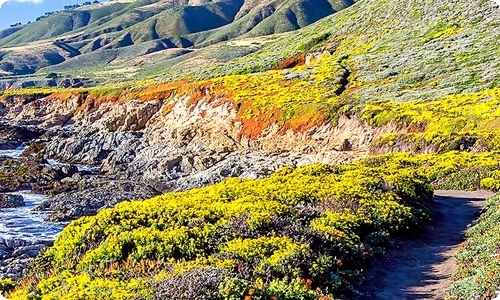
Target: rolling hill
(136, 28)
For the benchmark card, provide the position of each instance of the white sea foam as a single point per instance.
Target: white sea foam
(24, 222)
(16, 153)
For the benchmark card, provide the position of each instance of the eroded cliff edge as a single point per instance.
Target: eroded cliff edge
(178, 146)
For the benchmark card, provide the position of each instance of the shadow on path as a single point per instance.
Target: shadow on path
(420, 268)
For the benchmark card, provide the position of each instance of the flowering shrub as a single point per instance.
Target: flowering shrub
(464, 122)
(321, 224)
(6, 285)
(302, 233)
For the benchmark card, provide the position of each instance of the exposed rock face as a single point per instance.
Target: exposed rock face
(145, 148)
(16, 255)
(13, 135)
(91, 194)
(11, 201)
(182, 146)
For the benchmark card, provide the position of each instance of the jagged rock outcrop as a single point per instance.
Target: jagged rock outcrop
(182, 146)
(13, 135)
(88, 195)
(30, 172)
(17, 254)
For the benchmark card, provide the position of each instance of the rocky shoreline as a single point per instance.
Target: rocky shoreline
(17, 254)
(74, 191)
(74, 194)
(91, 194)
(11, 201)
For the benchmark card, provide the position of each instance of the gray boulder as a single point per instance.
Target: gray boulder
(11, 201)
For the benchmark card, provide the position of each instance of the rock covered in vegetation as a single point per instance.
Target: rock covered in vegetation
(30, 172)
(247, 237)
(17, 254)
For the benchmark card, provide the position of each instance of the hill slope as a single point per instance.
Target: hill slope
(150, 26)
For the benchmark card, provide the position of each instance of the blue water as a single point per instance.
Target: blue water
(24, 222)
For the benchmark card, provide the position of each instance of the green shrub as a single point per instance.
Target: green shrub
(6, 285)
(478, 273)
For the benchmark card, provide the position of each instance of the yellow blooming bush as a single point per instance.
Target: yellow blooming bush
(253, 238)
(6, 285)
(467, 121)
(318, 223)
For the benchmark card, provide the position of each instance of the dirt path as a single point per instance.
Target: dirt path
(421, 268)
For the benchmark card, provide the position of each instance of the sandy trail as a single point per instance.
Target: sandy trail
(421, 268)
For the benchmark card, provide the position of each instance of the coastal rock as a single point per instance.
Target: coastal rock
(178, 150)
(90, 146)
(17, 254)
(16, 134)
(11, 201)
(31, 173)
(8, 145)
(94, 194)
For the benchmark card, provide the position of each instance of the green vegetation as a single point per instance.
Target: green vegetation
(303, 233)
(320, 224)
(478, 272)
(306, 233)
(467, 121)
(116, 32)
(444, 97)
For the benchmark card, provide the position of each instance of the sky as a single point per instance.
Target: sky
(13, 11)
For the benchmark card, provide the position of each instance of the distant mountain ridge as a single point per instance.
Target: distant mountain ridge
(147, 26)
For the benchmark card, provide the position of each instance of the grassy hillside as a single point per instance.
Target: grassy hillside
(100, 27)
(387, 60)
(478, 272)
(417, 77)
(8, 31)
(429, 69)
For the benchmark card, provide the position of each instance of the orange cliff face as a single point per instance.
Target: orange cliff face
(200, 114)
